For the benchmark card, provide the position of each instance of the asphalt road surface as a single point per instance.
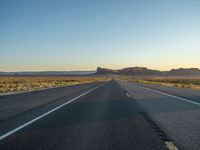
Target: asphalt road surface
(103, 116)
(175, 110)
(87, 117)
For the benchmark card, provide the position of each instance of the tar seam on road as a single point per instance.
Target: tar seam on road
(45, 114)
(127, 95)
(173, 96)
(168, 143)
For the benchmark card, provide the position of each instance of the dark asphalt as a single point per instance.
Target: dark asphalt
(12, 105)
(105, 119)
(18, 109)
(180, 120)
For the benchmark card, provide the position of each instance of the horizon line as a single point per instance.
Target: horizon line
(96, 69)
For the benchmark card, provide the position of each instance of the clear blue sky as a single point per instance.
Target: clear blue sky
(85, 34)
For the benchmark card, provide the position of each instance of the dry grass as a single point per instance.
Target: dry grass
(175, 81)
(10, 84)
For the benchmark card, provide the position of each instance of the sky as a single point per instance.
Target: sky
(84, 34)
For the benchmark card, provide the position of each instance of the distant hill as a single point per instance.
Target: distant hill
(129, 71)
(145, 71)
(137, 71)
(185, 72)
(46, 73)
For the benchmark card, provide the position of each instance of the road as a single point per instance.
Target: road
(112, 115)
(105, 118)
(175, 110)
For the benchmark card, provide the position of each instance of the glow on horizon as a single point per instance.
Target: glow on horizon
(93, 68)
(68, 35)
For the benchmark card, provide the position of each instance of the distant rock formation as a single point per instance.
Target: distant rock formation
(137, 71)
(129, 71)
(184, 72)
(106, 71)
(145, 71)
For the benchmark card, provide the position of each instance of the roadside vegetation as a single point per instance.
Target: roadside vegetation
(12, 84)
(192, 83)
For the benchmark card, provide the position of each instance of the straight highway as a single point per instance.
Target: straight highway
(104, 118)
(112, 115)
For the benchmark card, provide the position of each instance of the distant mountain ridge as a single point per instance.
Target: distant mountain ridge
(185, 71)
(145, 71)
(138, 71)
(46, 73)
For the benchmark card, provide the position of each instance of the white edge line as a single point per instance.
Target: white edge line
(45, 114)
(173, 96)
